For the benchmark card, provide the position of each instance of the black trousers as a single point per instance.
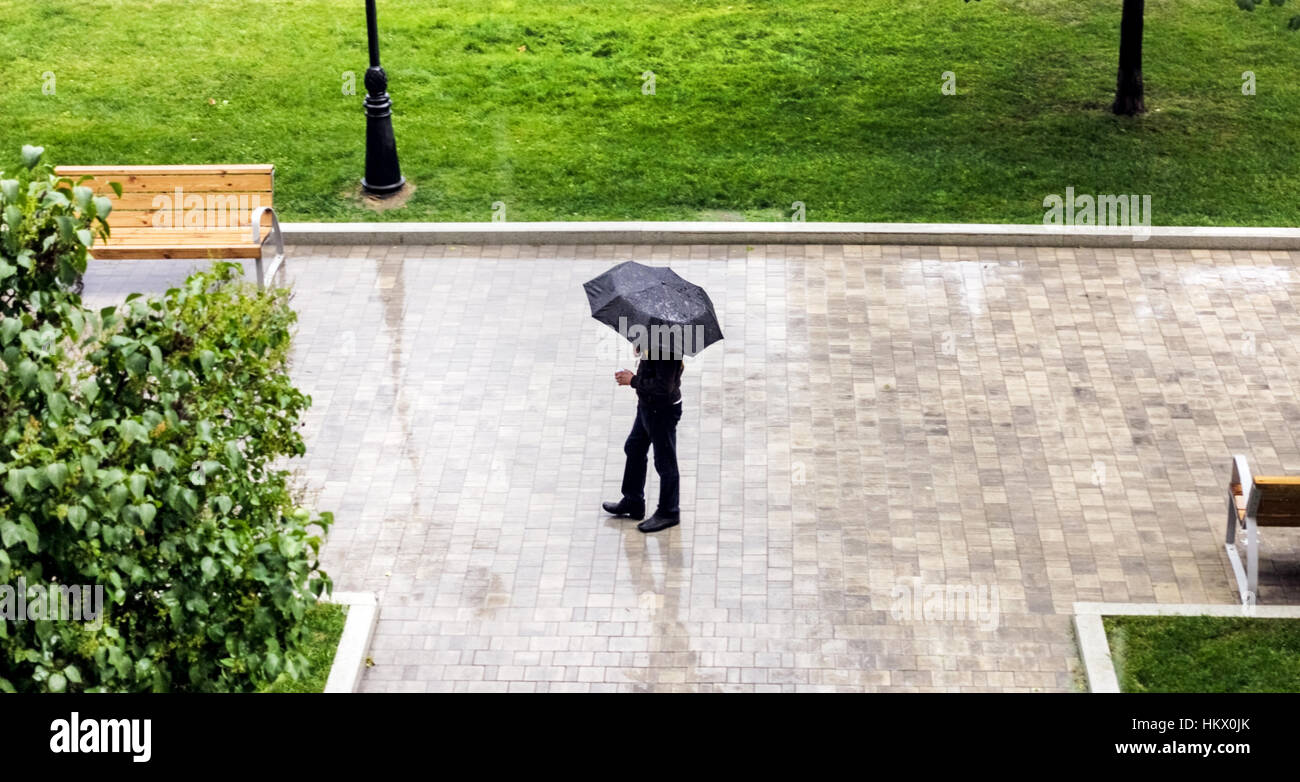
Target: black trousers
(656, 425)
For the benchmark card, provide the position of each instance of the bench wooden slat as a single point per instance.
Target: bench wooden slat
(129, 220)
(185, 236)
(225, 168)
(189, 184)
(144, 252)
(138, 201)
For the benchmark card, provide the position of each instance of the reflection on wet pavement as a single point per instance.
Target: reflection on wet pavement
(1054, 425)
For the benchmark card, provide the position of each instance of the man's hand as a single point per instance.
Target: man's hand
(623, 377)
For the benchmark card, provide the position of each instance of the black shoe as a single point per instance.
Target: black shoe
(624, 508)
(659, 522)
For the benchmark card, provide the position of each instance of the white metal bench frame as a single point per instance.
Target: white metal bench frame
(1248, 577)
(276, 263)
(1255, 492)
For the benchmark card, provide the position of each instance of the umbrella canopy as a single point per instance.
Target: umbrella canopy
(654, 309)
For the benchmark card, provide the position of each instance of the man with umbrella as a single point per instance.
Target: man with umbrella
(666, 318)
(658, 384)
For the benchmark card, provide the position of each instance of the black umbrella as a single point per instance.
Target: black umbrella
(655, 309)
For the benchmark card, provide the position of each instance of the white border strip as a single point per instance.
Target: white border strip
(1095, 647)
(686, 232)
(358, 630)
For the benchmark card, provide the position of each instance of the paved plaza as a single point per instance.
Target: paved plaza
(1035, 426)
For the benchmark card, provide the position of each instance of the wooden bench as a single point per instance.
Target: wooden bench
(187, 212)
(1254, 502)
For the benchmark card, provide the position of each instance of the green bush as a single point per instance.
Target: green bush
(139, 450)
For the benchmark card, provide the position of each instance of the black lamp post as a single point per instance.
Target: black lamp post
(383, 174)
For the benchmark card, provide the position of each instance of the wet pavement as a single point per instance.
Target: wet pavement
(1013, 428)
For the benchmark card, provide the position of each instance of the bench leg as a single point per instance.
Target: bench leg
(268, 273)
(1234, 558)
(256, 222)
(1252, 559)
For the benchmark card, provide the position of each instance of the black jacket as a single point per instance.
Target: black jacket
(658, 382)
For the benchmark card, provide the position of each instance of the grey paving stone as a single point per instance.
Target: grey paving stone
(1047, 424)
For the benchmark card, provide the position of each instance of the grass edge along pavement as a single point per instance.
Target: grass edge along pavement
(755, 106)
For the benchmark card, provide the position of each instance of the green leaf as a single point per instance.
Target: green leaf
(289, 547)
(146, 511)
(16, 484)
(103, 206)
(117, 497)
(117, 188)
(58, 404)
(138, 483)
(30, 535)
(67, 228)
(58, 683)
(57, 472)
(36, 479)
(137, 363)
(77, 517)
(26, 372)
(82, 196)
(11, 533)
(89, 389)
(209, 567)
(73, 674)
(134, 431)
(162, 460)
(31, 155)
(9, 329)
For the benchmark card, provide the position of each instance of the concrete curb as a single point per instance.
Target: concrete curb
(924, 234)
(358, 630)
(1095, 648)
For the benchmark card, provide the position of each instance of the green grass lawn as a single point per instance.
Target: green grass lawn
(757, 104)
(1205, 654)
(324, 628)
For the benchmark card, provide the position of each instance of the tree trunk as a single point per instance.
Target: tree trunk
(1128, 85)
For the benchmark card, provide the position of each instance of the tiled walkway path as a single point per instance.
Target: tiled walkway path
(1054, 425)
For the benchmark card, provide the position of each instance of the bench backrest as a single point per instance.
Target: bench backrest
(198, 198)
(1276, 500)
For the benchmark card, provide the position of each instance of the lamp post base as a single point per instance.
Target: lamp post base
(384, 190)
(383, 173)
